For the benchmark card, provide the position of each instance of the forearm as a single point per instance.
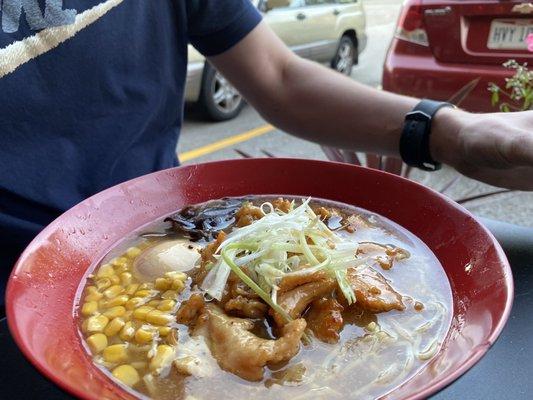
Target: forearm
(312, 101)
(317, 104)
(323, 106)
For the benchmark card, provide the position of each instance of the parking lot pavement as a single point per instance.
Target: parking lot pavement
(197, 134)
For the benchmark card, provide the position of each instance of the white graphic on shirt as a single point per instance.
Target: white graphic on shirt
(19, 53)
(54, 15)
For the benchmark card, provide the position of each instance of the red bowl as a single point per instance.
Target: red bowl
(44, 285)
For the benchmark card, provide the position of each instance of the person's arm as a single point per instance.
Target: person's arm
(318, 104)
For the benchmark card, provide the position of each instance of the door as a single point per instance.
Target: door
(322, 36)
(288, 20)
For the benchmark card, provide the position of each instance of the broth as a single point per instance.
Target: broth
(375, 353)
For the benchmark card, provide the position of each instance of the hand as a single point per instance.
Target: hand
(493, 148)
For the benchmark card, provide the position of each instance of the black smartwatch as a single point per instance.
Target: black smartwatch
(414, 142)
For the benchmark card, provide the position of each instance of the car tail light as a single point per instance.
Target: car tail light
(411, 23)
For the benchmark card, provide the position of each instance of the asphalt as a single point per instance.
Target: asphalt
(514, 207)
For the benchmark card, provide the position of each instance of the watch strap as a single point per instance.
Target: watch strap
(414, 141)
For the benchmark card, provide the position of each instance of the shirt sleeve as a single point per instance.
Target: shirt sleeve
(215, 26)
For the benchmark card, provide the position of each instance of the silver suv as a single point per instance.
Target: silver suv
(326, 31)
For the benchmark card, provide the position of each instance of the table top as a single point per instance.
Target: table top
(503, 373)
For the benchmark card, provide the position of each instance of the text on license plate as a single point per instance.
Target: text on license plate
(509, 34)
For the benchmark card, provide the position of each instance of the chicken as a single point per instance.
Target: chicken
(385, 255)
(291, 281)
(244, 307)
(247, 214)
(325, 319)
(242, 353)
(356, 222)
(191, 309)
(282, 204)
(373, 292)
(236, 287)
(295, 301)
(198, 274)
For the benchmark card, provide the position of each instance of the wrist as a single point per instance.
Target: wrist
(445, 138)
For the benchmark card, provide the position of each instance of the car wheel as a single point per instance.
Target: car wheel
(218, 98)
(343, 61)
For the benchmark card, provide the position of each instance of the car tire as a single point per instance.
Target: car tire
(219, 100)
(346, 55)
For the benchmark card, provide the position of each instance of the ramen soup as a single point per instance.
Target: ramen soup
(266, 298)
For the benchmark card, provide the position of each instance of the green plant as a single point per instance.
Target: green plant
(518, 92)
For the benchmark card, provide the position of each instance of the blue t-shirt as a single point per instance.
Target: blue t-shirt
(91, 94)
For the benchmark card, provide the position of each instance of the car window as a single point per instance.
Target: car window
(267, 5)
(320, 2)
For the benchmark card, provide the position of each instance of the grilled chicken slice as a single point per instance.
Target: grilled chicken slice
(324, 318)
(245, 307)
(242, 353)
(191, 309)
(291, 281)
(373, 292)
(295, 301)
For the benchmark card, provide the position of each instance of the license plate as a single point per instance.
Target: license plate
(509, 34)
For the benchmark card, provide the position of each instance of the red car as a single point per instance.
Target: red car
(440, 46)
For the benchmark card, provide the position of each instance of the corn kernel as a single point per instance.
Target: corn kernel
(95, 324)
(128, 331)
(115, 280)
(113, 291)
(114, 326)
(89, 308)
(134, 302)
(142, 365)
(176, 275)
(141, 312)
(114, 312)
(153, 303)
(102, 303)
(120, 269)
(126, 278)
(91, 289)
(157, 317)
(169, 295)
(178, 285)
(166, 305)
(105, 271)
(127, 375)
(164, 330)
(132, 288)
(143, 293)
(115, 353)
(146, 285)
(97, 342)
(162, 284)
(94, 296)
(127, 315)
(119, 261)
(103, 283)
(133, 252)
(118, 301)
(162, 359)
(143, 336)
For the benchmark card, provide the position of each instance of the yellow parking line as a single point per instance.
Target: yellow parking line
(226, 142)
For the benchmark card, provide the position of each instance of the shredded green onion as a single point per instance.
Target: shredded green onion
(278, 245)
(254, 286)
